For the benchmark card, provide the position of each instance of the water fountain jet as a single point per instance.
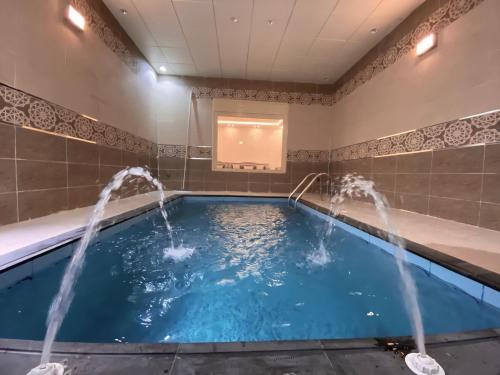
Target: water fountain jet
(62, 301)
(355, 186)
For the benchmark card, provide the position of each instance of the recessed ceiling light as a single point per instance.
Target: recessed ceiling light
(124, 11)
(234, 20)
(326, 78)
(373, 31)
(163, 69)
(270, 21)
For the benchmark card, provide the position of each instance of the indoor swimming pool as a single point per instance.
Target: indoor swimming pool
(242, 269)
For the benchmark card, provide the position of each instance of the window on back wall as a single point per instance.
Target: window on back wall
(249, 136)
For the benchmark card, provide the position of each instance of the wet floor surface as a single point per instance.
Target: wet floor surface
(460, 358)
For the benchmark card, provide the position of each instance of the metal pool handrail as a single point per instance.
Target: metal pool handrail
(317, 176)
(299, 185)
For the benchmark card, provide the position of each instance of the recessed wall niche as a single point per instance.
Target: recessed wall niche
(249, 136)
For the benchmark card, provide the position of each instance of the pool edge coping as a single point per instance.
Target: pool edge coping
(82, 348)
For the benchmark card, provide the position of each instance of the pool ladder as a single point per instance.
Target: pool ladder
(315, 176)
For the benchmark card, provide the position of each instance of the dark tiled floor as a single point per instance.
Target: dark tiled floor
(467, 357)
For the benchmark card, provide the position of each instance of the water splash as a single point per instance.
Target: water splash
(320, 256)
(179, 254)
(62, 300)
(356, 186)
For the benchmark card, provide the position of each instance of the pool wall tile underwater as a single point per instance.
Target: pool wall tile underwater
(16, 274)
(471, 287)
(53, 257)
(418, 261)
(491, 296)
(27, 269)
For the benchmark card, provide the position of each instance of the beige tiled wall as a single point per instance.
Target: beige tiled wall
(459, 78)
(42, 173)
(458, 184)
(43, 56)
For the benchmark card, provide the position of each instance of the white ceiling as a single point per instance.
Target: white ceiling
(308, 41)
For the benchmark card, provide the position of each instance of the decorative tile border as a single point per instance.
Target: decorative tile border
(200, 152)
(171, 151)
(438, 20)
(463, 132)
(314, 156)
(303, 98)
(106, 33)
(179, 151)
(19, 108)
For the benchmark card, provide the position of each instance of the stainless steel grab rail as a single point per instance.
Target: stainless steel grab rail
(299, 185)
(318, 175)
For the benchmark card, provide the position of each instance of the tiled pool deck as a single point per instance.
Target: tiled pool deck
(464, 248)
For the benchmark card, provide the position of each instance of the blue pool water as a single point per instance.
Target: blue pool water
(245, 276)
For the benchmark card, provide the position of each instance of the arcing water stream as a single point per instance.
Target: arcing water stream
(355, 186)
(62, 300)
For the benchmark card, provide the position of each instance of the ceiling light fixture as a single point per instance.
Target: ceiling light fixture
(326, 78)
(124, 11)
(234, 20)
(75, 18)
(270, 21)
(163, 69)
(373, 31)
(426, 44)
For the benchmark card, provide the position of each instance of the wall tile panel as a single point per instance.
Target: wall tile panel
(34, 175)
(7, 175)
(7, 141)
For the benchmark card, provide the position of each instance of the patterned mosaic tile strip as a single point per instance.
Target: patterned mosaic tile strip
(105, 33)
(179, 151)
(200, 152)
(438, 20)
(308, 155)
(264, 95)
(19, 108)
(470, 131)
(171, 151)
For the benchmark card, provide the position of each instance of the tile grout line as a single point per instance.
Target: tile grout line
(67, 172)
(175, 357)
(326, 355)
(15, 170)
(482, 187)
(429, 185)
